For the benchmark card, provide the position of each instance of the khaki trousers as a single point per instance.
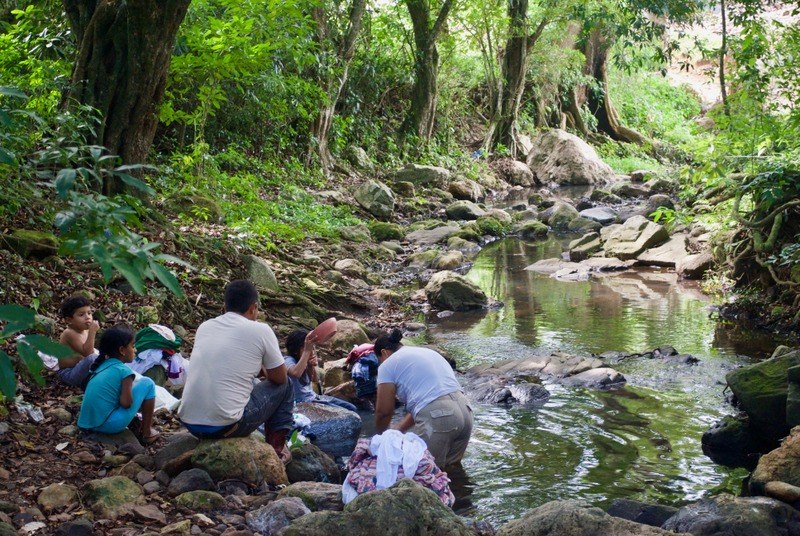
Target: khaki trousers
(445, 425)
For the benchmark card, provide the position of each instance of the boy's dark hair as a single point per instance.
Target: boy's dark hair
(240, 295)
(295, 342)
(72, 304)
(389, 341)
(111, 341)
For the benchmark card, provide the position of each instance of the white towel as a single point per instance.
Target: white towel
(393, 449)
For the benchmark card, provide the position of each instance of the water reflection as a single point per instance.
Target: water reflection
(641, 441)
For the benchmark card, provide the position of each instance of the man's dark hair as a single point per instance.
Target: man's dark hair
(240, 295)
(72, 304)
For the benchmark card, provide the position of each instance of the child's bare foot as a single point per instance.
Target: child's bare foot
(151, 437)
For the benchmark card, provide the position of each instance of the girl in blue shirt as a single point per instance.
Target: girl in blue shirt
(112, 399)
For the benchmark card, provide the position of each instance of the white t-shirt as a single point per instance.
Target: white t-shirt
(228, 353)
(420, 376)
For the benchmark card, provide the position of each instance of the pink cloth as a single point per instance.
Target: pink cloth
(362, 467)
(358, 352)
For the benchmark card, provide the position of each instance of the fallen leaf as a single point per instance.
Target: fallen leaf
(62, 446)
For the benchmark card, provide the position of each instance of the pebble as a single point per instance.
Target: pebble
(84, 456)
(202, 520)
(163, 478)
(4, 474)
(144, 477)
(69, 430)
(3, 428)
(151, 487)
(149, 512)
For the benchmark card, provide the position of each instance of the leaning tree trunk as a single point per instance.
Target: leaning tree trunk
(125, 47)
(424, 94)
(336, 81)
(598, 99)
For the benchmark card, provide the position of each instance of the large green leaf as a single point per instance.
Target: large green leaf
(48, 346)
(65, 180)
(167, 278)
(6, 156)
(130, 180)
(131, 274)
(8, 379)
(32, 361)
(16, 318)
(7, 91)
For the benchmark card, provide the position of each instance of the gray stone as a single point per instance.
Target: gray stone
(561, 214)
(602, 215)
(359, 158)
(393, 245)
(582, 248)
(449, 260)
(451, 291)
(247, 459)
(694, 266)
(333, 196)
(563, 158)
(421, 260)
(333, 430)
(467, 190)
(176, 445)
(514, 172)
(668, 254)
(633, 237)
(647, 514)
(662, 185)
(376, 198)
(731, 442)
(459, 244)
(273, 517)
(201, 500)
(532, 230)
(259, 272)
(310, 464)
(421, 175)
(111, 496)
(350, 267)
(659, 200)
(725, 514)
(355, 233)
(779, 465)
(642, 175)
(604, 196)
(191, 480)
(430, 237)
(464, 210)
(573, 518)
(626, 189)
(316, 495)
(76, 527)
(56, 497)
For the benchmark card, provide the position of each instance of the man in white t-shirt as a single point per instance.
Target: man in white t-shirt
(222, 397)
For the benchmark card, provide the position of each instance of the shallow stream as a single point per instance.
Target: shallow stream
(641, 441)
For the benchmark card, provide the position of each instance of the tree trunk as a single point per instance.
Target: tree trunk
(598, 99)
(336, 80)
(125, 47)
(723, 51)
(424, 94)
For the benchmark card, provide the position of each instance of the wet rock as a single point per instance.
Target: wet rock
(273, 517)
(430, 237)
(448, 290)
(191, 480)
(599, 378)
(694, 266)
(350, 267)
(385, 231)
(573, 518)
(405, 508)
(729, 515)
(492, 225)
(456, 243)
(310, 464)
(464, 210)
(246, 459)
(647, 514)
(626, 189)
(334, 430)
(316, 495)
(449, 260)
(149, 512)
(782, 491)
(550, 266)
(421, 175)
(111, 496)
(532, 230)
(201, 500)
(31, 244)
(561, 214)
(581, 248)
(667, 254)
(781, 464)
(376, 198)
(732, 442)
(466, 190)
(499, 214)
(656, 201)
(583, 225)
(630, 239)
(604, 196)
(56, 497)
(421, 260)
(76, 527)
(601, 215)
(579, 271)
(514, 172)
(259, 272)
(563, 158)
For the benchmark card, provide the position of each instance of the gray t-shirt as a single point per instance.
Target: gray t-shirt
(302, 385)
(420, 376)
(228, 354)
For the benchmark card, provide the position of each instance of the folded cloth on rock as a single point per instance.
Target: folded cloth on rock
(164, 400)
(156, 336)
(359, 351)
(171, 361)
(393, 449)
(362, 469)
(365, 368)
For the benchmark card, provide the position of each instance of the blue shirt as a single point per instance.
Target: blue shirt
(102, 393)
(302, 385)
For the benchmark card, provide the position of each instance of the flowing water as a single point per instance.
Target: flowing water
(641, 441)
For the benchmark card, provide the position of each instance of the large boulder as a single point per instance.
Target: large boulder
(56, 497)
(112, 496)
(333, 430)
(560, 157)
(514, 172)
(405, 509)
(667, 254)
(248, 459)
(449, 290)
(781, 464)
(176, 446)
(420, 175)
(761, 391)
(647, 514)
(376, 198)
(273, 517)
(259, 272)
(349, 333)
(581, 248)
(467, 190)
(310, 464)
(464, 210)
(732, 442)
(694, 266)
(358, 158)
(726, 515)
(629, 240)
(561, 215)
(573, 518)
(31, 244)
(316, 495)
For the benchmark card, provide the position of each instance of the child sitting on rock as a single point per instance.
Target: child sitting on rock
(112, 397)
(79, 335)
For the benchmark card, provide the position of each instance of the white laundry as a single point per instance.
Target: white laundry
(393, 449)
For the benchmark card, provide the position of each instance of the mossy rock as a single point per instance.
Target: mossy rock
(382, 231)
(583, 225)
(198, 206)
(422, 260)
(31, 244)
(424, 225)
(355, 233)
(107, 496)
(201, 500)
(146, 314)
(533, 230)
(469, 232)
(492, 226)
(244, 458)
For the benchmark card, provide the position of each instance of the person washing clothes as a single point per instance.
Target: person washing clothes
(423, 380)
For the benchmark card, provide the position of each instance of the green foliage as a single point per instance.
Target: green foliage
(16, 319)
(627, 157)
